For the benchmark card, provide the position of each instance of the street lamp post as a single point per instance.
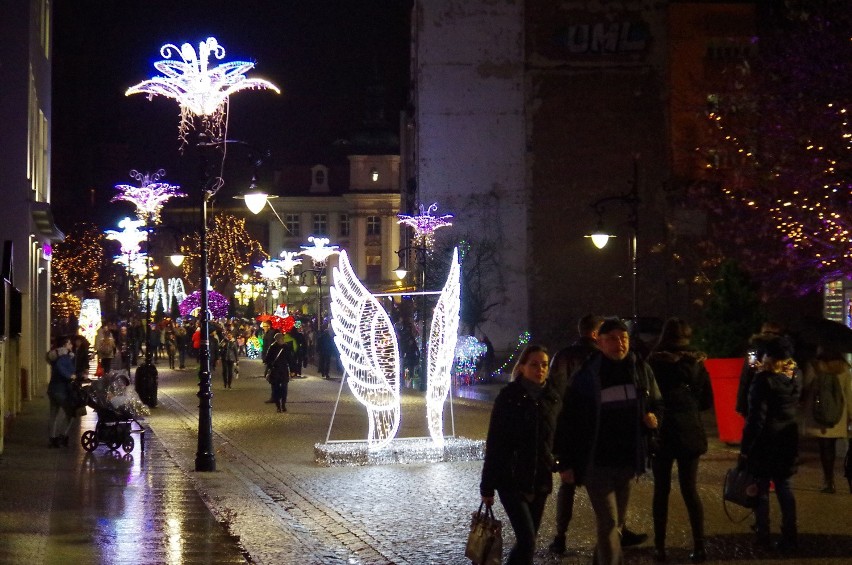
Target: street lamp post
(203, 91)
(401, 272)
(319, 251)
(601, 237)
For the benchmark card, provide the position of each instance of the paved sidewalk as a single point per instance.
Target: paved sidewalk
(66, 506)
(418, 514)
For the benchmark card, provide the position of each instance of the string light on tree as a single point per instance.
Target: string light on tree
(523, 340)
(469, 351)
(150, 196)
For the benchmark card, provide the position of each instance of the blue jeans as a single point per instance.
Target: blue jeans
(609, 492)
(525, 517)
(786, 501)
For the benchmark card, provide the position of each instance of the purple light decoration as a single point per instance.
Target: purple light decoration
(425, 223)
(150, 196)
(218, 304)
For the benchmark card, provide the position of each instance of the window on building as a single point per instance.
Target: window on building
(292, 223)
(374, 266)
(374, 225)
(344, 225)
(320, 224)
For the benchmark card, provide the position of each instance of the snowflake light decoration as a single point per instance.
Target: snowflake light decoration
(149, 196)
(289, 260)
(200, 90)
(320, 251)
(135, 263)
(270, 270)
(130, 237)
(425, 223)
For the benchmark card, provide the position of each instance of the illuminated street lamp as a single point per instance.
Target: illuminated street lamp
(601, 237)
(202, 91)
(319, 251)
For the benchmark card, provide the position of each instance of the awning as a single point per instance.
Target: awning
(43, 223)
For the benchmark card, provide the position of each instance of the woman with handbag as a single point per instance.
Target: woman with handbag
(685, 387)
(770, 444)
(279, 358)
(518, 451)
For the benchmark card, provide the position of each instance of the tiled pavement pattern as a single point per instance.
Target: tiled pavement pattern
(418, 514)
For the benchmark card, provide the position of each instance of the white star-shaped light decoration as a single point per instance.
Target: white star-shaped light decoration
(200, 90)
(320, 251)
(130, 237)
(150, 196)
(270, 270)
(289, 261)
(135, 263)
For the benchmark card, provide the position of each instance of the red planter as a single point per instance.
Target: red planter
(725, 379)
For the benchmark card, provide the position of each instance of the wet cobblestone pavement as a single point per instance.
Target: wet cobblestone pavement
(68, 506)
(419, 514)
(282, 508)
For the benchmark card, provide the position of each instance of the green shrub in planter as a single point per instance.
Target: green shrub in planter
(732, 315)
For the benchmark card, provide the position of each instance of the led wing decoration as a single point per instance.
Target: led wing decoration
(368, 350)
(442, 346)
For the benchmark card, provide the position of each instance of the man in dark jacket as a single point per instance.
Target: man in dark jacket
(601, 438)
(564, 365)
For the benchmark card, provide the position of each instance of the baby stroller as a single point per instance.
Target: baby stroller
(117, 409)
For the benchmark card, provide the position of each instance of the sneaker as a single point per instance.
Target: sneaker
(629, 538)
(558, 545)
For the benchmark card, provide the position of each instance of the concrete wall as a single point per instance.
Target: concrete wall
(469, 138)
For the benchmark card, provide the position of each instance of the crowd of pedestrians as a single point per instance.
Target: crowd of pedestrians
(602, 412)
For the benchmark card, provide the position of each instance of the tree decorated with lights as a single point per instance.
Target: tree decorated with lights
(78, 262)
(232, 250)
(783, 152)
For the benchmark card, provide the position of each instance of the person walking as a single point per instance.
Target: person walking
(171, 345)
(518, 462)
(327, 350)
(280, 357)
(770, 444)
(267, 336)
(563, 366)
(828, 364)
(81, 357)
(62, 369)
(106, 350)
(228, 353)
(181, 340)
(685, 387)
(609, 409)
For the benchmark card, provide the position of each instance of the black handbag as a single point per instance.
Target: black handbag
(485, 539)
(740, 488)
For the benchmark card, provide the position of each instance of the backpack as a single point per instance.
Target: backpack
(828, 399)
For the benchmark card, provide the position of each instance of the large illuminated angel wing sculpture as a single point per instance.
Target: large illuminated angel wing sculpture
(368, 350)
(442, 346)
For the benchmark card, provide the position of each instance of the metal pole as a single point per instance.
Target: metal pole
(205, 458)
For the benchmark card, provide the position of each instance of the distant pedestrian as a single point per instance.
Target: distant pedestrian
(279, 359)
(518, 462)
(62, 369)
(327, 351)
(81, 357)
(685, 388)
(228, 353)
(770, 444)
(106, 350)
(834, 365)
(564, 365)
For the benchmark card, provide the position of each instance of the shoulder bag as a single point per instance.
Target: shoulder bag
(740, 488)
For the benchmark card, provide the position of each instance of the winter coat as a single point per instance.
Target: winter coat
(61, 373)
(106, 349)
(685, 387)
(771, 433)
(228, 350)
(568, 361)
(278, 360)
(841, 370)
(577, 440)
(520, 440)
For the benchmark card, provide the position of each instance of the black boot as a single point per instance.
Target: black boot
(789, 540)
(659, 549)
(698, 555)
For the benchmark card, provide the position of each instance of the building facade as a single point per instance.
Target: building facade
(26, 220)
(538, 122)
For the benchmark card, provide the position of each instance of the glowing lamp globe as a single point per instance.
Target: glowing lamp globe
(600, 239)
(177, 259)
(303, 288)
(400, 273)
(255, 201)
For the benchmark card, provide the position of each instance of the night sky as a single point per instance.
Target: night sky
(322, 54)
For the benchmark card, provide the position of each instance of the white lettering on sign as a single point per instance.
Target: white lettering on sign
(616, 37)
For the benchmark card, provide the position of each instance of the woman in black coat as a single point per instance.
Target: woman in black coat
(279, 357)
(518, 451)
(770, 445)
(685, 387)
